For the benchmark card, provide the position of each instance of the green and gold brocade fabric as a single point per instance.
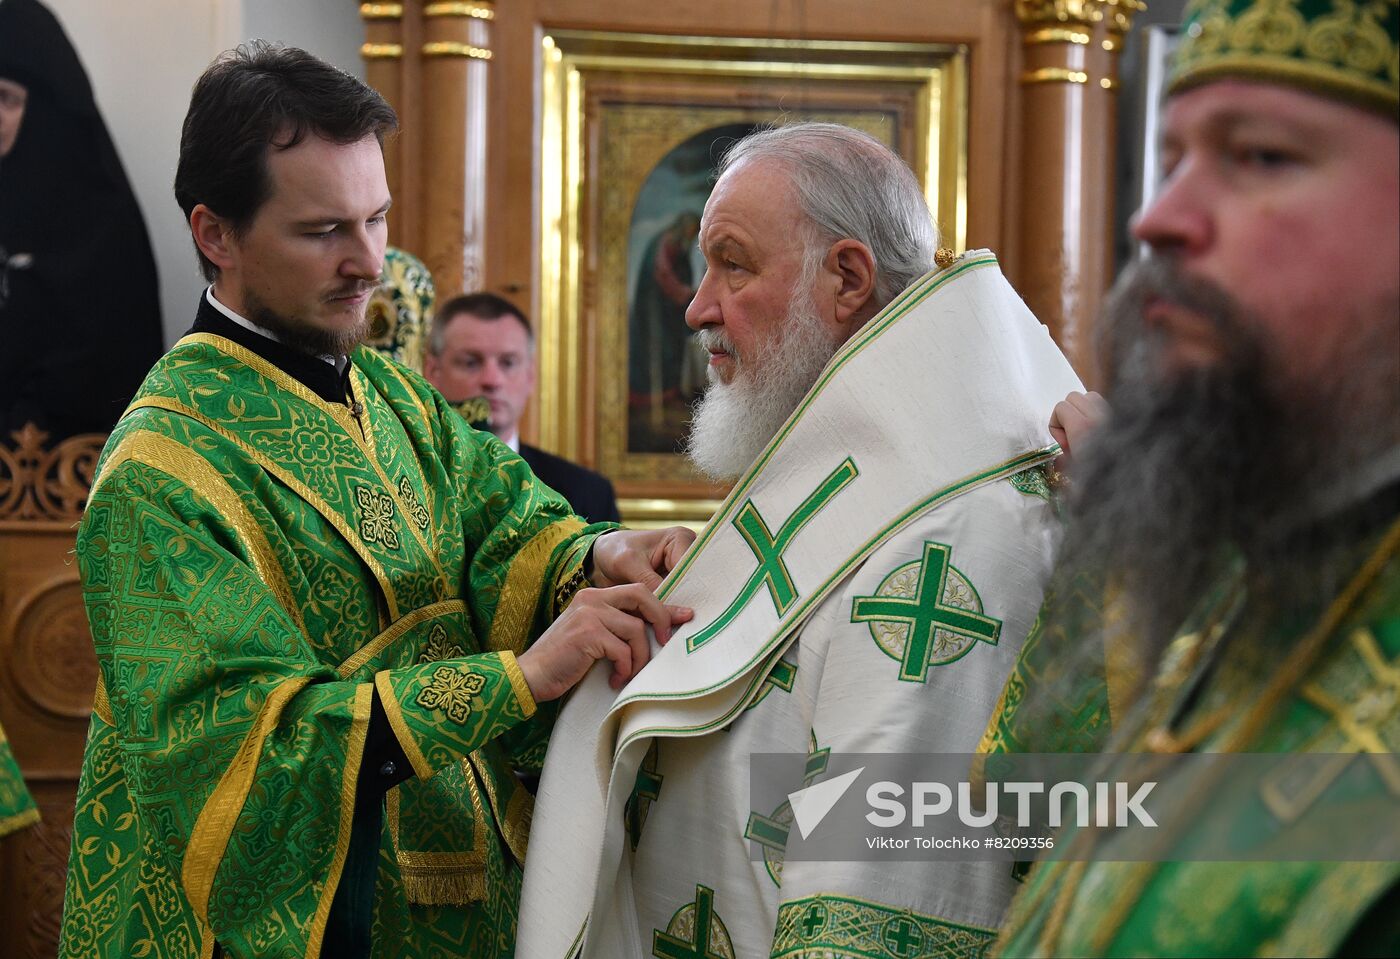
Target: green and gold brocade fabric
(1056, 698)
(1079, 675)
(1348, 702)
(1339, 48)
(255, 563)
(400, 309)
(17, 808)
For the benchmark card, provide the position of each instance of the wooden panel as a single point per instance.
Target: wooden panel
(47, 674)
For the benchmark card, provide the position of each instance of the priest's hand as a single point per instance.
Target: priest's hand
(598, 624)
(641, 556)
(1072, 421)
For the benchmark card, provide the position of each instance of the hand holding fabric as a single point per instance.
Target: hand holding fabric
(638, 556)
(1073, 420)
(605, 623)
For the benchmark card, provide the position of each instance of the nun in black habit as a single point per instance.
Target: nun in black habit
(79, 304)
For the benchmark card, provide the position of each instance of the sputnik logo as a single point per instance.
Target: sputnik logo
(810, 805)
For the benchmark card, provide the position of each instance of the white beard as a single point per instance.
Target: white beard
(734, 421)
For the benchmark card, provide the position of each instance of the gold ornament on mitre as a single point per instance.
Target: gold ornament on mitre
(401, 308)
(1343, 49)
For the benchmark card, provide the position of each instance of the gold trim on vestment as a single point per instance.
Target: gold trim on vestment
(297, 486)
(416, 462)
(354, 757)
(339, 413)
(1121, 663)
(421, 767)
(214, 827)
(510, 625)
(988, 742)
(520, 810)
(101, 705)
(18, 821)
(437, 878)
(178, 461)
(372, 456)
(523, 696)
(388, 637)
(514, 819)
(363, 390)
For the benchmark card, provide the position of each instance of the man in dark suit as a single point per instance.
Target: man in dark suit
(482, 345)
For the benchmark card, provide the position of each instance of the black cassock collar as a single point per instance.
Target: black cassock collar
(314, 373)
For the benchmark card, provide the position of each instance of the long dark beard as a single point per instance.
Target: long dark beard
(300, 335)
(1199, 467)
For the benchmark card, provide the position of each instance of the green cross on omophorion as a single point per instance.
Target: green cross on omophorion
(814, 920)
(666, 946)
(767, 832)
(781, 676)
(925, 613)
(769, 550)
(902, 937)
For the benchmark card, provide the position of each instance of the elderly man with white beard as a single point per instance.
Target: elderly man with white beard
(865, 587)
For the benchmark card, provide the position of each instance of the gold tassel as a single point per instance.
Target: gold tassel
(433, 888)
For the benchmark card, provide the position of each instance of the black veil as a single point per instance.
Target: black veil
(81, 323)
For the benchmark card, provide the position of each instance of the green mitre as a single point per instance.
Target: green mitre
(1340, 48)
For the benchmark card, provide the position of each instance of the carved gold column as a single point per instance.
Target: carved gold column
(384, 70)
(1068, 116)
(456, 55)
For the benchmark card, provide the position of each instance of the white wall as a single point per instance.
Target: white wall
(331, 29)
(143, 57)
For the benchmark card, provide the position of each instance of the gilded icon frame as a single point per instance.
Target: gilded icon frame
(614, 106)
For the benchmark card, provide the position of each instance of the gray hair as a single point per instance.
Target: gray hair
(852, 186)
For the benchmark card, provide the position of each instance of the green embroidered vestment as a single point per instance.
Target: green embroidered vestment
(1212, 679)
(16, 806)
(256, 563)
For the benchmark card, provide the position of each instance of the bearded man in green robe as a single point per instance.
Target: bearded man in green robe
(1230, 580)
(321, 602)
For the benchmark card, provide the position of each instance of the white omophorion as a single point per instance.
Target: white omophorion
(865, 588)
